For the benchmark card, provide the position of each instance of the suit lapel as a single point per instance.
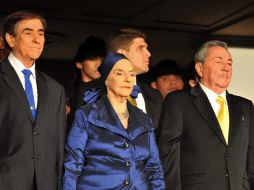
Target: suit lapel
(103, 115)
(138, 122)
(149, 101)
(42, 95)
(205, 109)
(234, 117)
(12, 79)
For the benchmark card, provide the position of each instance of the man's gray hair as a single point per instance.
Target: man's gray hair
(203, 50)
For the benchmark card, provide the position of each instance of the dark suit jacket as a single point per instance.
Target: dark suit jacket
(192, 147)
(30, 148)
(153, 101)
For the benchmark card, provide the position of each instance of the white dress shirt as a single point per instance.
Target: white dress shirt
(19, 67)
(141, 102)
(212, 96)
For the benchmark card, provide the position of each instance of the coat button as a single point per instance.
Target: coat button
(226, 174)
(127, 163)
(35, 157)
(126, 145)
(126, 182)
(228, 155)
(36, 133)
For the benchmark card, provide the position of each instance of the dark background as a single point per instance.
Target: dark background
(175, 28)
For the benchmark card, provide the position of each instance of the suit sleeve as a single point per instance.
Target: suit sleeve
(153, 167)
(74, 151)
(250, 165)
(169, 135)
(61, 137)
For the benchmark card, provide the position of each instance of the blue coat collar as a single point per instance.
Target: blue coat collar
(103, 115)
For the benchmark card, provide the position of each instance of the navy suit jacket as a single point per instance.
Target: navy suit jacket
(101, 154)
(193, 150)
(30, 148)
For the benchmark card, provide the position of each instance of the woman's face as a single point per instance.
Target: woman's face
(121, 79)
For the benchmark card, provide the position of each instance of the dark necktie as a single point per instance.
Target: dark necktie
(29, 91)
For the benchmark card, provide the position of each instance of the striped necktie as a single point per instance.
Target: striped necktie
(29, 91)
(223, 117)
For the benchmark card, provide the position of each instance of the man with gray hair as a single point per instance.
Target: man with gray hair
(206, 138)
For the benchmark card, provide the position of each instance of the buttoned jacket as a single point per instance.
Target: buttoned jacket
(192, 147)
(101, 154)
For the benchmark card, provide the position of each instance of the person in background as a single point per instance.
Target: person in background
(206, 134)
(4, 52)
(87, 60)
(168, 77)
(192, 78)
(111, 144)
(132, 43)
(32, 110)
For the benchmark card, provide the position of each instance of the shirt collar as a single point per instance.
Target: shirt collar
(18, 65)
(212, 95)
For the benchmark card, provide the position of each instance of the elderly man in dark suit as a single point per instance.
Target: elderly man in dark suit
(206, 138)
(32, 111)
(132, 43)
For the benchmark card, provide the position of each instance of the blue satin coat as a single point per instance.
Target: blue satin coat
(102, 155)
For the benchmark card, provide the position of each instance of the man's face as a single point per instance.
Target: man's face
(89, 69)
(216, 70)
(138, 55)
(28, 42)
(169, 83)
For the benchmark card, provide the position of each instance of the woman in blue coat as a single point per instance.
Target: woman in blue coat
(111, 144)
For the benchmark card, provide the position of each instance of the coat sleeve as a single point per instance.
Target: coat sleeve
(74, 151)
(153, 167)
(250, 165)
(169, 135)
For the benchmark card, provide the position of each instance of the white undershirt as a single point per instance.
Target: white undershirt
(141, 102)
(212, 96)
(18, 67)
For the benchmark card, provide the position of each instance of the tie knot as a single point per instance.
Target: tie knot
(220, 100)
(26, 73)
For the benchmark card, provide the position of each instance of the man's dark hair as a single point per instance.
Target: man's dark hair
(11, 21)
(123, 39)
